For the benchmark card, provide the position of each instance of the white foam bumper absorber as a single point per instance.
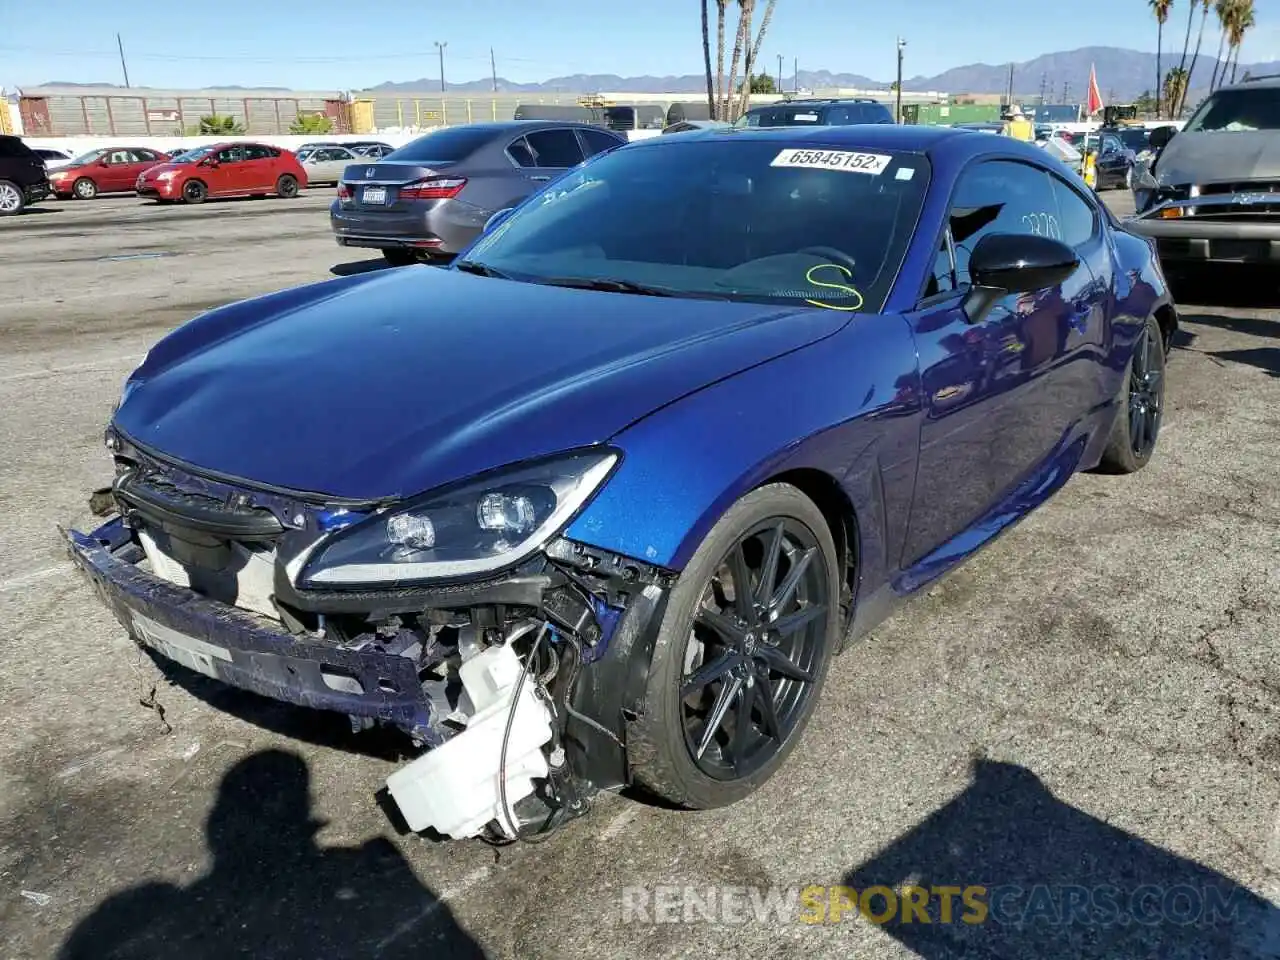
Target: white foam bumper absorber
(453, 788)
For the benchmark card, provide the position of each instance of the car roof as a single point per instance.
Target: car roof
(1264, 80)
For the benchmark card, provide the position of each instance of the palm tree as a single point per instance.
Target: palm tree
(753, 54)
(706, 59)
(1226, 11)
(720, 13)
(741, 38)
(1243, 23)
(1191, 70)
(1186, 42)
(1161, 10)
(1175, 85)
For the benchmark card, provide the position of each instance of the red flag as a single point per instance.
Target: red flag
(1094, 103)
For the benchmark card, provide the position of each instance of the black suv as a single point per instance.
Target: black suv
(22, 176)
(817, 113)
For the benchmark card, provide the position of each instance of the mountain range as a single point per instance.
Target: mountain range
(1123, 75)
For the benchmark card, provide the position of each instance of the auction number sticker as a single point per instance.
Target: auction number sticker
(873, 163)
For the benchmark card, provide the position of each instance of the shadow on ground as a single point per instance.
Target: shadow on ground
(272, 892)
(1264, 358)
(1059, 884)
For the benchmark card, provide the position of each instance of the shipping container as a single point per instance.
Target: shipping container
(946, 114)
(54, 111)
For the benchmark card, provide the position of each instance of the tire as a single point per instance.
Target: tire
(399, 257)
(194, 191)
(1136, 430)
(12, 199)
(287, 186)
(84, 189)
(668, 747)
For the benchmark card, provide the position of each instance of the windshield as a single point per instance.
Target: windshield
(447, 143)
(190, 155)
(1256, 108)
(1134, 138)
(84, 158)
(742, 220)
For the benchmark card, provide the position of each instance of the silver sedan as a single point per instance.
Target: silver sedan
(325, 164)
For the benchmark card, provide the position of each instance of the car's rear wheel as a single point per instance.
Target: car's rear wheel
(1137, 425)
(84, 189)
(12, 199)
(741, 654)
(287, 186)
(399, 257)
(194, 191)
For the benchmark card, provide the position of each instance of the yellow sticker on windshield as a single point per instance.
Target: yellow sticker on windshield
(843, 288)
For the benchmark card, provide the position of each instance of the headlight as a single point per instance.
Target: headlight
(477, 527)
(166, 174)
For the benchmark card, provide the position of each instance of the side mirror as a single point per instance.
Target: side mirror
(497, 218)
(1160, 136)
(1004, 263)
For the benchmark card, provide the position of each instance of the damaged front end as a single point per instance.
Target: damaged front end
(1224, 222)
(517, 682)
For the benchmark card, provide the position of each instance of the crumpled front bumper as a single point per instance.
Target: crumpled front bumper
(1227, 228)
(241, 649)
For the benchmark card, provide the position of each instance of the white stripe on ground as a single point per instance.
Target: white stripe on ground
(461, 887)
(28, 579)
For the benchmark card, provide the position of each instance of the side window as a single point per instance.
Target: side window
(144, 156)
(521, 154)
(597, 141)
(256, 151)
(230, 155)
(555, 148)
(1000, 196)
(942, 279)
(120, 156)
(1077, 219)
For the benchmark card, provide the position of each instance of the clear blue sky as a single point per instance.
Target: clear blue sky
(347, 44)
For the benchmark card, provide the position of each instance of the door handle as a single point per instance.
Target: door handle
(540, 178)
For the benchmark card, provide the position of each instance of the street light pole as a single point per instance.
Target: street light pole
(779, 73)
(440, 50)
(901, 44)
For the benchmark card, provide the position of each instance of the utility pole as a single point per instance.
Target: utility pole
(1044, 80)
(795, 75)
(123, 67)
(440, 50)
(1066, 91)
(493, 69)
(901, 44)
(779, 73)
(1010, 99)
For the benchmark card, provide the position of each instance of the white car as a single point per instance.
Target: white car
(326, 164)
(53, 159)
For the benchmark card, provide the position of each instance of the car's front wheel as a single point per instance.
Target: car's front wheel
(741, 654)
(194, 191)
(1141, 405)
(12, 199)
(85, 189)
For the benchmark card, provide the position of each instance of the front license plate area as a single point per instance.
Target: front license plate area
(1250, 250)
(191, 652)
(376, 195)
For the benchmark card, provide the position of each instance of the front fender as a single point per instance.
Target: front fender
(846, 406)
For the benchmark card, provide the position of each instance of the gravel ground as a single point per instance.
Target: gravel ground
(1091, 703)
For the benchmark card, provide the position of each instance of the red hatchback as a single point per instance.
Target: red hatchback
(105, 170)
(224, 170)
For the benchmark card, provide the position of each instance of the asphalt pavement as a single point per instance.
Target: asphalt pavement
(1092, 702)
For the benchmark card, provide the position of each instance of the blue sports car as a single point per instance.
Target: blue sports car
(598, 504)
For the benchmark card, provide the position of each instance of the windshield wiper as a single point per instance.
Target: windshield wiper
(479, 269)
(614, 285)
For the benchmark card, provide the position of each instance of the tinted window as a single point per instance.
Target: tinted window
(1000, 196)
(597, 141)
(1076, 218)
(230, 154)
(255, 151)
(719, 219)
(1247, 108)
(448, 143)
(555, 148)
(846, 113)
(782, 116)
(520, 153)
(13, 147)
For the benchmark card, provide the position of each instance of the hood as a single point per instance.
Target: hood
(1219, 156)
(390, 383)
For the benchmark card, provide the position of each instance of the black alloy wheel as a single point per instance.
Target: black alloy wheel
(287, 186)
(741, 654)
(194, 191)
(1140, 406)
(752, 652)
